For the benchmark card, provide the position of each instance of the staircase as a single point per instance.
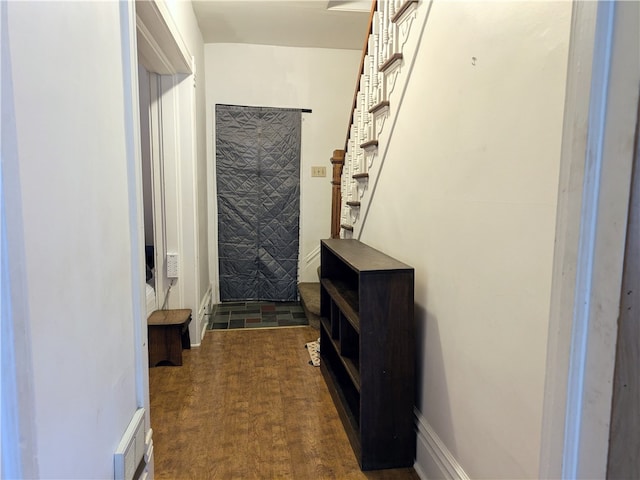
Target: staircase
(383, 68)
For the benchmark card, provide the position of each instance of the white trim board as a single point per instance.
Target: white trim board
(162, 50)
(433, 458)
(593, 198)
(205, 309)
(312, 256)
(571, 178)
(18, 439)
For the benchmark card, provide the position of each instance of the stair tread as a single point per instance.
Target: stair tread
(403, 8)
(310, 301)
(394, 58)
(379, 106)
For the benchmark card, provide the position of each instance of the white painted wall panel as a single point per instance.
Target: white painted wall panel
(182, 14)
(320, 79)
(182, 108)
(70, 113)
(193, 167)
(467, 195)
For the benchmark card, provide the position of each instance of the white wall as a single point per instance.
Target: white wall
(69, 102)
(320, 79)
(467, 195)
(182, 13)
(185, 173)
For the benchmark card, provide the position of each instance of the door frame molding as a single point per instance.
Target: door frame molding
(593, 196)
(18, 441)
(160, 47)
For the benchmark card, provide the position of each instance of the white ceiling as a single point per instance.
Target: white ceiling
(300, 23)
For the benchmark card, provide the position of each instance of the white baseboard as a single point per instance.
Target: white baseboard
(148, 457)
(312, 255)
(203, 331)
(433, 458)
(418, 468)
(309, 266)
(203, 310)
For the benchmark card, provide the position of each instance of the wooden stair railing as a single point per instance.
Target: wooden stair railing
(337, 162)
(381, 54)
(365, 48)
(336, 196)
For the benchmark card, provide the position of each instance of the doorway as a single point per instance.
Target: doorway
(258, 187)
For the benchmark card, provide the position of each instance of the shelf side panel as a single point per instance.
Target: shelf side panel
(387, 359)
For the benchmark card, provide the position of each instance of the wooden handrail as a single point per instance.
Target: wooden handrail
(374, 5)
(339, 155)
(338, 160)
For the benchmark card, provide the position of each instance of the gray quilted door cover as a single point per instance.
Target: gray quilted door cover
(258, 188)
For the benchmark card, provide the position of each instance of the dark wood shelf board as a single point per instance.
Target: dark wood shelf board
(347, 300)
(347, 363)
(348, 419)
(352, 371)
(324, 321)
(368, 258)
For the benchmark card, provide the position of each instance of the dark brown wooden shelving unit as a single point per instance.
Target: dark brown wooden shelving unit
(367, 350)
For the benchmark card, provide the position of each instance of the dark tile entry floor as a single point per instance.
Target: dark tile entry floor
(232, 315)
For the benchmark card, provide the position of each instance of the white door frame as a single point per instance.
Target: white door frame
(163, 53)
(595, 172)
(168, 50)
(148, 34)
(17, 404)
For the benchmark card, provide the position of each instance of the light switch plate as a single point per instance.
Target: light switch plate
(318, 171)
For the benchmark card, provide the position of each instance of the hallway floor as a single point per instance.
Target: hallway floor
(231, 315)
(247, 405)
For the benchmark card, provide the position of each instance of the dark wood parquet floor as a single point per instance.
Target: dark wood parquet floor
(247, 405)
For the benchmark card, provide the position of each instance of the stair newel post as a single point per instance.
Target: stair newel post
(337, 160)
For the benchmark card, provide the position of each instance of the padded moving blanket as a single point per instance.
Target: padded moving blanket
(258, 191)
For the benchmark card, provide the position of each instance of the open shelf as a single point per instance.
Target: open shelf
(345, 298)
(367, 350)
(348, 364)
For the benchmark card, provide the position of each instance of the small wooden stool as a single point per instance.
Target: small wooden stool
(168, 334)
